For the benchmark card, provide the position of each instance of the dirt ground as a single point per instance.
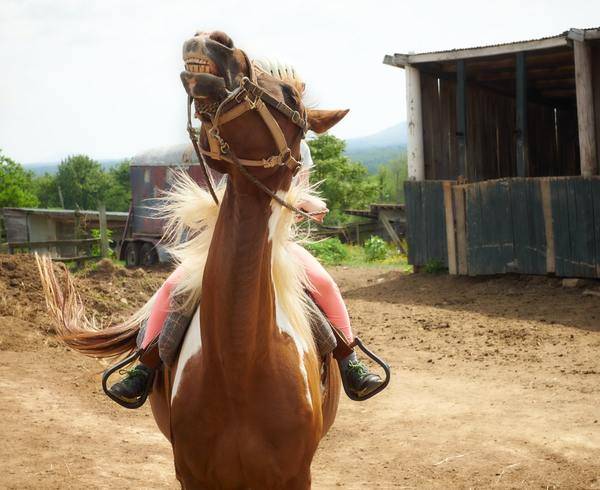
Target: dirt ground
(496, 384)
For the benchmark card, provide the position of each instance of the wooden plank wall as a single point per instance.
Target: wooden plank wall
(543, 146)
(439, 128)
(489, 228)
(576, 225)
(490, 130)
(491, 138)
(426, 222)
(522, 225)
(595, 51)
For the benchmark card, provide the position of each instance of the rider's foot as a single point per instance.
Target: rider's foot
(357, 377)
(133, 385)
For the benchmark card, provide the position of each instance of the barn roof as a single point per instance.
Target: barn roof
(172, 155)
(560, 40)
(64, 213)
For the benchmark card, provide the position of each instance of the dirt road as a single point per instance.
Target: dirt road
(496, 384)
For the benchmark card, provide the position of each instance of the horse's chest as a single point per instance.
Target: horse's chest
(228, 417)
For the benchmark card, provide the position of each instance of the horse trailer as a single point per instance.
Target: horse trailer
(151, 173)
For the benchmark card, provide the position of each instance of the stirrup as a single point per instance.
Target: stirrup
(358, 343)
(121, 364)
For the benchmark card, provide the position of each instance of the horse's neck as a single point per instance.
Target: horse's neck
(237, 310)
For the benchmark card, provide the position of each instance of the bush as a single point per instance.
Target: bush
(375, 249)
(330, 251)
(96, 248)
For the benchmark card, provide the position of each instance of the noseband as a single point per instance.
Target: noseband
(249, 96)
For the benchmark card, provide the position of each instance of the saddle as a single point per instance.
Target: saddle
(165, 349)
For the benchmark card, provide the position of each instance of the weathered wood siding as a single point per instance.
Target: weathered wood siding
(426, 222)
(523, 225)
(552, 138)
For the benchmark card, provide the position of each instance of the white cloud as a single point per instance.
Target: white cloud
(102, 77)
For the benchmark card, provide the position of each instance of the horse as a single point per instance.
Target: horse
(248, 399)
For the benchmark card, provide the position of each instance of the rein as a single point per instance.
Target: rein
(248, 96)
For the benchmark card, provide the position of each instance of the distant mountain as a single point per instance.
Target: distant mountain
(393, 136)
(379, 148)
(372, 151)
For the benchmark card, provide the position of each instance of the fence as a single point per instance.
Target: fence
(547, 225)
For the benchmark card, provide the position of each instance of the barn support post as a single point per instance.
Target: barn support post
(461, 119)
(414, 116)
(521, 122)
(585, 108)
(103, 230)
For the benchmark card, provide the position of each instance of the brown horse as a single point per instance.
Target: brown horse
(247, 403)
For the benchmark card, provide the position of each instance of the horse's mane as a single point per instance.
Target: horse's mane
(191, 216)
(282, 71)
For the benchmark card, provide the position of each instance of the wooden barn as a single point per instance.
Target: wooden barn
(503, 156)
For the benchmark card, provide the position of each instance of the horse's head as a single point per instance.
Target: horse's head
(214, 71)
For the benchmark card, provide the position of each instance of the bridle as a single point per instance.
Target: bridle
(248, 96)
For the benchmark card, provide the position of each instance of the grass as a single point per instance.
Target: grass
(393, 260)
(332, 252)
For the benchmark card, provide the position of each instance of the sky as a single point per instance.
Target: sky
(101, 77)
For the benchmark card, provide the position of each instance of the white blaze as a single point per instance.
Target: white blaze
(285, 326)
(191, 346)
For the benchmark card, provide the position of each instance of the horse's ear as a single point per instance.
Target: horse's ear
(320, 121)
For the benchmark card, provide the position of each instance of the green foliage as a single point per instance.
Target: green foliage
(46, 191)
(344, 184)
(96, 248)
(375, 249)
(373, 157)
(16, 185)
(118, 192)
(84, 183)
(330, 251)
(434, 266)
(390, 180)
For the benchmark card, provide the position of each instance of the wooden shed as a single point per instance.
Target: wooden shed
(503, 156)
(61, 233)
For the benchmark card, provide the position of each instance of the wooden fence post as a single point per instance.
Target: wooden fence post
(414, 117)
(103, 230)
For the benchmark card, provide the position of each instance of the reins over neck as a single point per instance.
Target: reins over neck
(247, 97)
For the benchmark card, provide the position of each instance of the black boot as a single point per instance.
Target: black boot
(133, 385)
(357, 378)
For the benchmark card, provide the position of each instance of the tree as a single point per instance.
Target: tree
(390, 180)
(82, 182)
(16, 184)
(118, 192)
(46, 191)
(344, 183)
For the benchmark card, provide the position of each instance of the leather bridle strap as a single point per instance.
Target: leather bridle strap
(192, 132)
(249, 96)
(242, 168)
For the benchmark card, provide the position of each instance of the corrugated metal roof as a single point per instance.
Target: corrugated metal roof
(562, 34)
(559, 40)
(182, 154)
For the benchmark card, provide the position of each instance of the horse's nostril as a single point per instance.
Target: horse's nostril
(222, 38)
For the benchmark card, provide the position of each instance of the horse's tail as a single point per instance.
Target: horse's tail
(75, 328)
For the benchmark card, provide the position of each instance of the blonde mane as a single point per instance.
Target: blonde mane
(191, 216)
(282, 71)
